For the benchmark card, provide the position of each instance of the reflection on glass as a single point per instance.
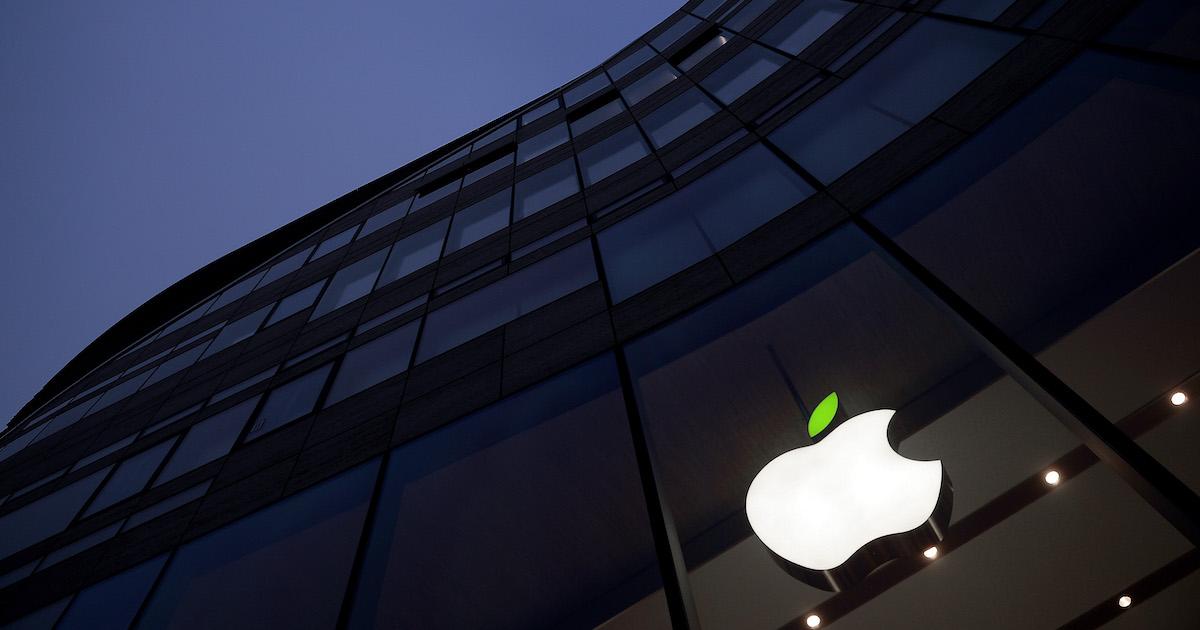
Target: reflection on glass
(746, 70)
(545, 188)
(480, 219)
(804, 24)
(612, 154)
(678, 116)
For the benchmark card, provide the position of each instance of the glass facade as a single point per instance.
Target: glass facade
(527, 381)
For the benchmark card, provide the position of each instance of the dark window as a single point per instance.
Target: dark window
(747, 14)
(350, 283)
(599, 114)
(681, 27)
(551, 471)
(437, 194)
(290, 401)
(46, 516)
(334, 242)
(585, 89)
(746, 70)
(495, 134)
(296, 302)
(702, 51)
(678, 116)
(374, 362)
(114, 602)
(130, 477)
(238, 290)
(285, 566)
(207, 440)
(630, 63)
(545, 188)
(414, 252)
(657, 78)
(612, 154)
(804, 24)
(494, 165)
(385, 218)
(120, 391)
(235, 331)
(986, 10)
(695, 222)
(479, 219)
(286, 266)
(180, 361)
(188, 318)
(539, 111)
(705, 9)
(891, 93)
(509, 298)
(541, 143)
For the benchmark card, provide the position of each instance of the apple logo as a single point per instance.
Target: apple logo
(833, 512)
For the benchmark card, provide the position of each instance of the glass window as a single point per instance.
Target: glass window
(493, 166)
(678, 116)
(79, 546)
(296, 302)
(334, 242)
(541, 143)
(120, 391)
(892, 92)
(589, 120)
(42, 618)
(706, 8)
(385, 218)
(237, 330)
(130, 477)
(285, 566)
(290, 401)
(746, 70)
(709, 214)
(188, 318)
(650, 83)
(1164, 26)
(350, 283)
(167, 504)
(178, 362)
(238, 290)
(39, 483)
(748, 13)
(551, 471)
(612, 154)
(374, 362)
(286, 266)
(207, 440)
(507, 299)
(388, 316)
(243, 385)
(539, 111)
(496, 134)
(703, 51)
(681, 27)
(47, 516)
(414, 252)
(315, 350)
(104, 452)
(630, 63)
(986, 10)
(586, 89)
(545, 188)
(479, 219)
(456, 155)
(805, 23)
(114, 602)
(437, 194)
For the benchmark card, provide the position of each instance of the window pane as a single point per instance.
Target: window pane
(334, 242)
(630, 63)
(649, 84)
(496, 134)
(414, 252)
(705, 9)
(120, 391)
(701, 53)
(597, 116)
(986, 10)
(612, 154)
(207, 440)
(541, 143)
(178, 362)
(350, 283)
(290, 401)
(678, 116)
(441, 192)
(707, 215)
(286, 266)
(130, 477)
(385, 218)
(374, 362)
(746, 70)
(478, 220)
(114, 602)
(236, 331)
(285, 566)
(546, 188)
(238, 290)
(805, 24)
(508, 298)
(552, 472)
(680, 28)
(190, 317)
(892, 92)
(46, 516)
(488, 168)
(585, 89)
(296, 302)
(748, 13)
(539, 111)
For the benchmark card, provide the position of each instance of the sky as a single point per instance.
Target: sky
(140, 140)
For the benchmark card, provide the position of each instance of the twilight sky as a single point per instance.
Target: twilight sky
(139, 140)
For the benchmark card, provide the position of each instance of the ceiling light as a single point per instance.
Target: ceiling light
(1178, 398)
(812, 621)
(1125, 601)
(1052, 477)
(930, 553)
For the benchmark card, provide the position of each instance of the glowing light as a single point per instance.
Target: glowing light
(1178, 398)
(817, 505)
(1125, 601)
(812, 621)
(930, 553)
(1052, 477)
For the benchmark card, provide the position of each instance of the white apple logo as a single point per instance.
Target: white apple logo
(833, 512)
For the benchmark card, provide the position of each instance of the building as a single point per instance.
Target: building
(526, 380)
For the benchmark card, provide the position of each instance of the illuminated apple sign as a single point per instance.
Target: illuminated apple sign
(832, 512)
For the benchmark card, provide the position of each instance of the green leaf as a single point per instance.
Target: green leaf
(822, 415)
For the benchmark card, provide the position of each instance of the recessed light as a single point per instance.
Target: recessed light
(1178, 398)
(1052, 477)
(1125, 601)
(930, 553)
(812, 621)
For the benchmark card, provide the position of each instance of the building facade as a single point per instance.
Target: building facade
(526, 380)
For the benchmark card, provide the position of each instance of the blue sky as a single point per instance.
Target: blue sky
(141, 140)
